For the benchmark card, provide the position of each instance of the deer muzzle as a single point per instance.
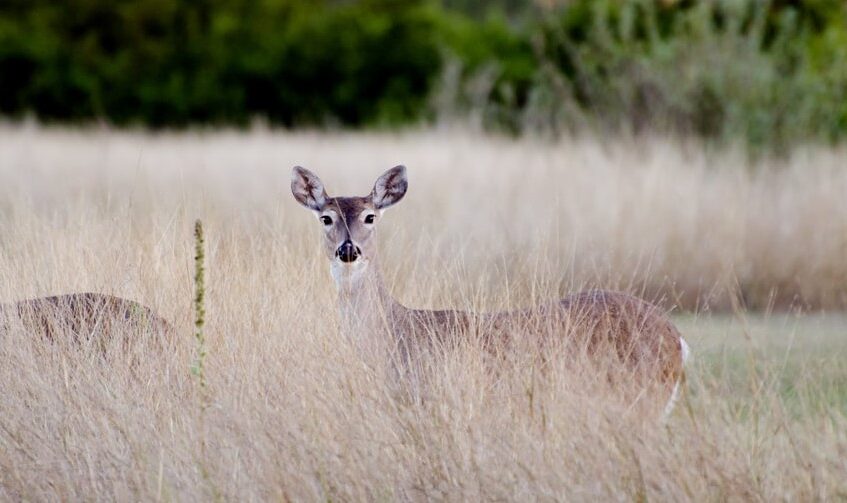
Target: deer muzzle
(348, 252)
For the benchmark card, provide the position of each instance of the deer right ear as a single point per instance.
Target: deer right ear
(307, 188)
(390, 188)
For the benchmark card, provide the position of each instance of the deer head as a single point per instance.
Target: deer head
(349, 223)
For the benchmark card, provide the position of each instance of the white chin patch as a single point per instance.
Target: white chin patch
(345, 273)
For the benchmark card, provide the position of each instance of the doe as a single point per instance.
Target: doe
(633, 332)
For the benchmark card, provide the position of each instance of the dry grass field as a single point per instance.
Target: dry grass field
(738, 249)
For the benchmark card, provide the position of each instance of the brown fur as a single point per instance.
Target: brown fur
(637, 333)
(83, 316)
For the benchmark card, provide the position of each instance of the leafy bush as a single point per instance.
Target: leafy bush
(493, 69)
(172, 63)
(725, 70)
(768, 73)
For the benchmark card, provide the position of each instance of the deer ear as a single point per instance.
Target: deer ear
(307, 188)
(390, 188)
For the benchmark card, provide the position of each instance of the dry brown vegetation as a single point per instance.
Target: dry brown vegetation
(290, 412)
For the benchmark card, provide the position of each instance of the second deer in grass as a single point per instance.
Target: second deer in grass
(86, 318)
(602, 324)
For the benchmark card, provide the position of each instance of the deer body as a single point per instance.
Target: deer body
(598, 323)
(82, 315)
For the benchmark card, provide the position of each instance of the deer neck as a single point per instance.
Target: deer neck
(366, 307)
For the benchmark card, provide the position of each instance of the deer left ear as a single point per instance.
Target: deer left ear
(390, 188)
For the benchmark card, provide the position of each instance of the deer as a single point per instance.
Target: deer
(85, 317)
(629, 330)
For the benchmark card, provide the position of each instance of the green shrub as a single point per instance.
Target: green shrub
(769, 75)
(766, 73)
(174, 63)
(495, 68)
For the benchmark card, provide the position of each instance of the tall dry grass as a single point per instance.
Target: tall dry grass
(289, 411)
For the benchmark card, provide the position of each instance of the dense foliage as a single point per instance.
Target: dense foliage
(166, 62)
(768, 72)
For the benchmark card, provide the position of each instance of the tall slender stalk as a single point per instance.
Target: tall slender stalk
(199, 302)
(198, 367)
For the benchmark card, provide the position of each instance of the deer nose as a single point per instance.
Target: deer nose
(348, 252)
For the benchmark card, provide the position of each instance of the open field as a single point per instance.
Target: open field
(290, 412)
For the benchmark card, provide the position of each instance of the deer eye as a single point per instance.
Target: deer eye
(326, 220)
(369, 219)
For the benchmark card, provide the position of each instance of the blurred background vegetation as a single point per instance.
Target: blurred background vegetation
(767, 73)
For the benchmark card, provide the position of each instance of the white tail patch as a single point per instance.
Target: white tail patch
(685, 353)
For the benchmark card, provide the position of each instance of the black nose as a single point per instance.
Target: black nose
(347, 252)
